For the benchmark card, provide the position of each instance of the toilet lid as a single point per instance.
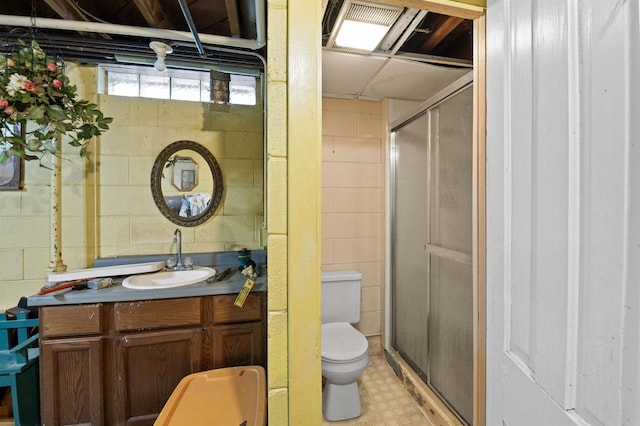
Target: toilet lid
(342, 342)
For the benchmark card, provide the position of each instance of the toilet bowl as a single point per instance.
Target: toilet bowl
(345, 356)
(345, 353)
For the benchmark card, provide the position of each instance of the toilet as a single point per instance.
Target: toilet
(345, 352)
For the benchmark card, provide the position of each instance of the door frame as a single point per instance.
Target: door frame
(479, 222)
(477, 13)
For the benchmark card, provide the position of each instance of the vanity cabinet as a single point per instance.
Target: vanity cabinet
(117, 363)
(71, 376)
(236, 338)
(71, 381)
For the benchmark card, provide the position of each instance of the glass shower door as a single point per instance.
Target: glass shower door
(432, 259)
(410, 268)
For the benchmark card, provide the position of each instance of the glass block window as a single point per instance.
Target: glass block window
(154, 87)
(242, 90)
(124, 84)
(182, 85)
(186, 89)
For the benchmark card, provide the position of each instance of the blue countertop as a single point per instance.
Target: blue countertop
(232, 284)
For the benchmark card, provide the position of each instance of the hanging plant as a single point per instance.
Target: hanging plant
(34, 88)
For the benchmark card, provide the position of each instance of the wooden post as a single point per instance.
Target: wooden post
(56, 264)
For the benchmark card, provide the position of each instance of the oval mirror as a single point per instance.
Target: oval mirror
(186, 183)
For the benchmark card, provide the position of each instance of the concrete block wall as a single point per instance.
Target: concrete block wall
(24, 214)
(130, 222)
(277, 218)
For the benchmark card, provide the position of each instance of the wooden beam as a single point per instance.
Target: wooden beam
(443, 30)
(64, 9)
(153, 13)
(234, 18)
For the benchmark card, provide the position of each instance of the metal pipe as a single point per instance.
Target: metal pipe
(190, 65)
(192, 26)
(97, 27)
(261, 31)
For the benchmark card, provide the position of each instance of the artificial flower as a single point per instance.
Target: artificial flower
(29, 86)
(15, 84)
(35, 89)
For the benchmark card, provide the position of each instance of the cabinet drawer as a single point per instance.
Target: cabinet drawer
(153, 314)
(71, 320)
(224, 311)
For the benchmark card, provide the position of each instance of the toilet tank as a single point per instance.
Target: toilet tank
(341, 296)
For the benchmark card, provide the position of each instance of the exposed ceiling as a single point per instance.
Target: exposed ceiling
(210, 17)
(422, 52)
(416, 33)
(201, 30)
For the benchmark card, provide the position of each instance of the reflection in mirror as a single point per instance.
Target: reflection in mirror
(185, 172)
(186, 183)
(180, 180)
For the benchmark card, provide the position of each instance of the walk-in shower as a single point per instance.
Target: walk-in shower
(431, 248)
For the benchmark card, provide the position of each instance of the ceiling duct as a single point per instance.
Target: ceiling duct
(361, 12)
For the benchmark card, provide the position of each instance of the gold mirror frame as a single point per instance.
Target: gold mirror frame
(156, 183)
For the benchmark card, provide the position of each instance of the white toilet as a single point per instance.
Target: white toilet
(345, 352)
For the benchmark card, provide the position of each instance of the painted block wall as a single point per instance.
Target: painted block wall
(107, 207)
(353, 149)
(129, 219)
(24, 214)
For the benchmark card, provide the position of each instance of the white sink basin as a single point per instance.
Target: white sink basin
(168, 279)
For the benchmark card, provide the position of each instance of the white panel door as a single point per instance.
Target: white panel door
(563, 212)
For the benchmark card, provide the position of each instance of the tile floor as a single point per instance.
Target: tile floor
(384, 401)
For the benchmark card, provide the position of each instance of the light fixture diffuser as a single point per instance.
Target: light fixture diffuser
(360, 35)
(362, 26)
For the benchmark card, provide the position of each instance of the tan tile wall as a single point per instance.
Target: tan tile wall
(108, 210)
(353, 198)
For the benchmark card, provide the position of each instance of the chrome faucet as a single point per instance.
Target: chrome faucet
(177, 238)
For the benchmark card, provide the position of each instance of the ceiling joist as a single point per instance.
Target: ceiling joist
(153, 13)
(437, 36)
(234, 18)
(65, 10)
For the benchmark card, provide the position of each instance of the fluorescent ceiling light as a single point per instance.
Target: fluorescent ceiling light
(361, 26)
(360, 35)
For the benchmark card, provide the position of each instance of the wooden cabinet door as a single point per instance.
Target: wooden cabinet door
(71, 381)
(146, 369)
(238, 344)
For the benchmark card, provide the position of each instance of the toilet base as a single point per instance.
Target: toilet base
(340, 402)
